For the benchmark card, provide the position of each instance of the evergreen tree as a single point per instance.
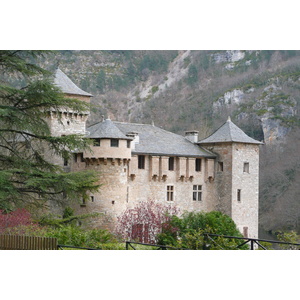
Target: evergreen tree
(26, 176)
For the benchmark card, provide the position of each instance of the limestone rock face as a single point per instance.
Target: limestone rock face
(231, 97)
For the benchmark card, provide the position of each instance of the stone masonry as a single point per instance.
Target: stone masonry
(141, 162)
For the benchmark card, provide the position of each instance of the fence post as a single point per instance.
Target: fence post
(252, 244)
(204, 242)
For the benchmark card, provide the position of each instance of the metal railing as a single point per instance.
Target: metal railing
(254, 243)
(158, 247)
(251, 241)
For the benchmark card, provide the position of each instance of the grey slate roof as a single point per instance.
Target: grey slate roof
(156, 141)
(106, 129)
(229, 132)
(67, 85)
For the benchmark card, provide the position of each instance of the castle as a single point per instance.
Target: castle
(138, 162)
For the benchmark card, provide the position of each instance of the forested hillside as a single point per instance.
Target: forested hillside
(197, 90)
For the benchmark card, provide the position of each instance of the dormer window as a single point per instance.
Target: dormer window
(114, 143)
(171, 163)
(198, 164)
(141, 161)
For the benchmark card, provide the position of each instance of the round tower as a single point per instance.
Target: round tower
(109, 155)
(66, 121)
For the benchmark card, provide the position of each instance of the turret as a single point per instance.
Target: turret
(108, 142)
(65, 121)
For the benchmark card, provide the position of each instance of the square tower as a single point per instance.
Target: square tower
(237, 176)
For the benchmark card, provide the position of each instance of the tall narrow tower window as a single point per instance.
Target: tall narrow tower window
(220, 166)
(239, 195)
(198, 165)
(141, 161)
(171, 163)
(170, 192)
(246, 167)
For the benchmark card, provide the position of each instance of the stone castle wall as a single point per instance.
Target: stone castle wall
(233, 178)
(245, 176)
(124, 185)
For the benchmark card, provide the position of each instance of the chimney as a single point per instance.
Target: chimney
(192, 136)
(135, 138)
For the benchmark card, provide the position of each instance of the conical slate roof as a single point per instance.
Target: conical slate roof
(229, 132)
(106, 130)
(67, 85)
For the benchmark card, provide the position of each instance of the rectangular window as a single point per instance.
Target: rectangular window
(171, 163)
(220, 166)
(246, 167)
(75, 157)
(239, 195)
(66, 162)
(141, 161)
(198, 165)
(92, 198)
(170, 192)
(197, 192)
(96, 142)
(128, 144)
(114, 143)
(81, 157)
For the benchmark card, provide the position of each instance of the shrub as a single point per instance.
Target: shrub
(19, 217)
(188, 231)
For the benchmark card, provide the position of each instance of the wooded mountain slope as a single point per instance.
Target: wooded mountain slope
(198, 90)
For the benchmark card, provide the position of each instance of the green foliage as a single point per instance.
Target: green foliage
(101, 81)
(192, 77)
(26, 176)
(186, 62)
(65, 229)
(261, 112)
(68, 212)
(67, 218)
(188, 231)
(289, 237)
(154, 89)
(266, 245)
(78, 237)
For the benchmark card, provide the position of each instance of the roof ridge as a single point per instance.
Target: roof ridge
(132, 123)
